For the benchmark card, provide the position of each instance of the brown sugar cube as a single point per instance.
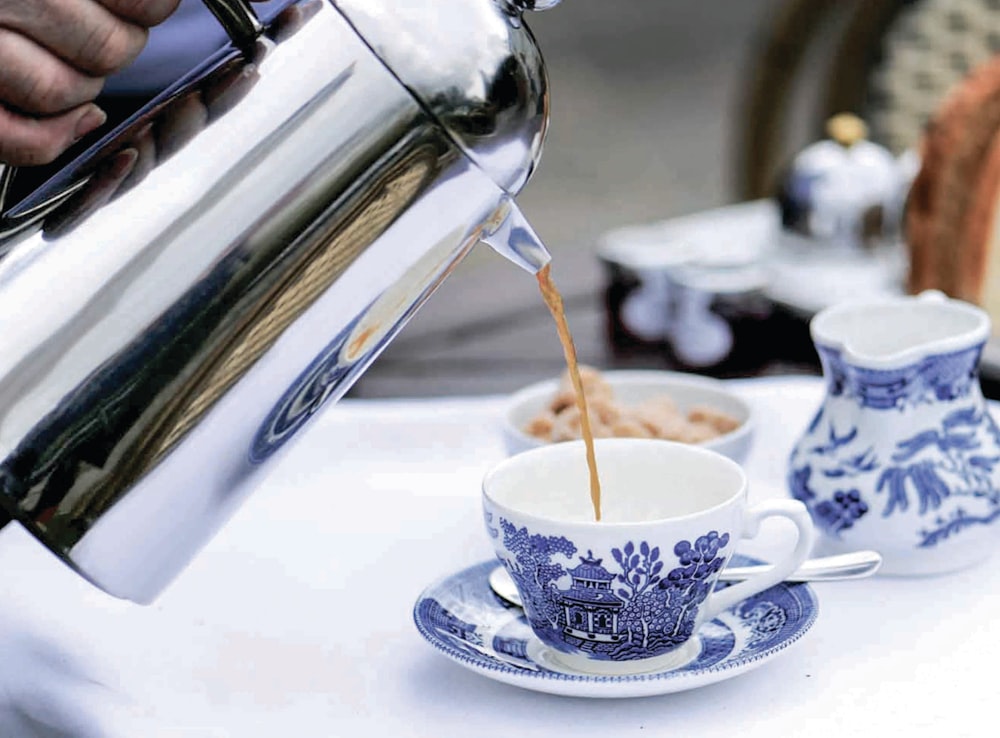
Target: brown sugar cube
(567, 426)
(698, 433)
(660, 406)
(594, 383)
(603, 409)
(626, 427)
(662, 419)
(719, 420)
(562, 400)
(541, 426)
(670, 429)
(595, 387)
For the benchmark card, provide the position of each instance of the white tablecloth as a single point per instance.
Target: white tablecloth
(296, 619)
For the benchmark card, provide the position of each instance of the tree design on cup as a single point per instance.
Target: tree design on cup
(629, 611)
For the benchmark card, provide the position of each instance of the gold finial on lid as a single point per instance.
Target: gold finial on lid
(846, 129)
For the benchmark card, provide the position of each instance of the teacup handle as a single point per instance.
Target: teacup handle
(799, 515)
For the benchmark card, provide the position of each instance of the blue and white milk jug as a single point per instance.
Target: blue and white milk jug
(902, 456)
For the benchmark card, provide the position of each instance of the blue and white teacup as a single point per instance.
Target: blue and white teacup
(902, 456)
(627, 594)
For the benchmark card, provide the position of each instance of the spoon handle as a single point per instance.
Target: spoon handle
(854, 565)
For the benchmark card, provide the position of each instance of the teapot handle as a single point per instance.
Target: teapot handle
(240, 22)
(7, 173)
(519, 6)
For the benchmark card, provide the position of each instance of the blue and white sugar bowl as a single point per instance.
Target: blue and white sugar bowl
(902, 455)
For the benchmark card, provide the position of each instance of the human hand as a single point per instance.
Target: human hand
(156, 137)
(54, 58)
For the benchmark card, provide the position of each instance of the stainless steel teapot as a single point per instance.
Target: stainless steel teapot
(178, 301)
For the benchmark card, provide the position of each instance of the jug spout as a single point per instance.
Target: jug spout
(886, 333)
(510, 234)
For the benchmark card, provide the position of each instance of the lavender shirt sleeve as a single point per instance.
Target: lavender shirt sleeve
(175, 47)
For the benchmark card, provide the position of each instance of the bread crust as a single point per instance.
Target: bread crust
(918, 220)
(954, 151)
(977, 232)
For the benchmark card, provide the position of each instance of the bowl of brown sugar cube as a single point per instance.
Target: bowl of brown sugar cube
(672, 406)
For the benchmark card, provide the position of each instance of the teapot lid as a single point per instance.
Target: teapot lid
(845, 151)
(472, 64)
(844, 188)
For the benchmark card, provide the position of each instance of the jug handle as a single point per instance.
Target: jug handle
(243, 27)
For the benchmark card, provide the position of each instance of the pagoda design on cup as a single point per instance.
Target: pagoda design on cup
(641, 605)
(591, 608)
(629, 592)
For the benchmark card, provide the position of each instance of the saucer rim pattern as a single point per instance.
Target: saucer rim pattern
(627, 685)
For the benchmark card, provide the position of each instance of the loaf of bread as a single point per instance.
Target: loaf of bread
(979, 279)
(950, 210)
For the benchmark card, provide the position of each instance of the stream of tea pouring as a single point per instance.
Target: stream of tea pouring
(509, 233)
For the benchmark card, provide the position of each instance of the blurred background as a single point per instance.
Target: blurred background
(668, 108)
(644, 100)
(661, 110)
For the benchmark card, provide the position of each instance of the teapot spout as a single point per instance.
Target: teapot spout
(510, 234)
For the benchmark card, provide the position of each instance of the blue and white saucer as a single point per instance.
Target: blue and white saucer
(461, 617)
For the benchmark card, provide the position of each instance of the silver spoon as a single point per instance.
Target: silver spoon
(854, 565)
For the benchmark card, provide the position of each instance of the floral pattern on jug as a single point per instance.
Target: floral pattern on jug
(903, 456)
(635, 603)
(946, 377)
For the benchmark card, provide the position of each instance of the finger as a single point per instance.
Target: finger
(84, 34)
(145, 13)
(34, 81)
(26, 142)
(145, 147)
(180, 123)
